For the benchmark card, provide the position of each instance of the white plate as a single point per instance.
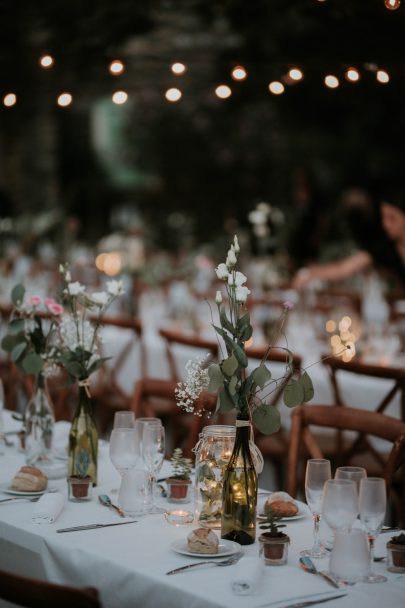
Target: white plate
(5, 487)
(302, 511)
(225, 548)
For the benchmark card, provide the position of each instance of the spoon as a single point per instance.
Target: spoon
(308, 565)
(106, 501)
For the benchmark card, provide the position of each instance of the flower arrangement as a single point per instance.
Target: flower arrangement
(236, 388)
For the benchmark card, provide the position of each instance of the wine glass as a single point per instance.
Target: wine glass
(356, 474)
(340, 504)
(124, 451)
(124, 420)
(153, 453)
(372, 505)
(318, 471)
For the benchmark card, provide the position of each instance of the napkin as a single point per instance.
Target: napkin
(246, 575)
(48, 508)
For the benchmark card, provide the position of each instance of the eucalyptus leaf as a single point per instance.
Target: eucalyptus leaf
(16, 326)
(267, 419)
(32, 363)
(248, 386)
(17, 294)
(293, 393)
(216, 377)
(246, 333)
(97, 364)
(308, 387)
(229, 366)
(9, 342)
(232, 385)
(240, 354)
(18, 351)
(244, 321)
(261, 375)
(225, 321)
(225, 402)
(74, 368)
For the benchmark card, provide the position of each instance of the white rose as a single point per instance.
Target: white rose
(218, 297)
(222, 271)
(231, 259)
(237, 278)
(115, 288)
(75, 288)
(236, 244)
(100, 298)
(241, 293)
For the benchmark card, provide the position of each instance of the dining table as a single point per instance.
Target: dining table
(128, 564)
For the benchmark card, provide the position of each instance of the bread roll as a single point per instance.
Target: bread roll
(203, 540)
(282, 504)
(29, 479)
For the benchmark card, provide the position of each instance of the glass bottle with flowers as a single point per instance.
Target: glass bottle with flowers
(80, 358)
(32, 341)
(244, 392)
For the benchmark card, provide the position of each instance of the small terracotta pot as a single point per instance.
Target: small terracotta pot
(79, 487)
(396, 557)
(178, 489)
(274, 549)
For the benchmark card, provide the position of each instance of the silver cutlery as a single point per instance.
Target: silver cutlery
(308, 565)
(313, 602)
(95, 526)
(106, 502)
(227, 562)
(30, 499)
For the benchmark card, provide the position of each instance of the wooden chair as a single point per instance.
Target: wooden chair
(32, 593)
(194, 341)
(303, 443)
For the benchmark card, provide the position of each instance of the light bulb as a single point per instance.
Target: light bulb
(352, 75)
(46, 61)
(178, 68)
(223, 91)
(239, 73)
(116, 67)
(382, 76)
(392, 5)
(173, 95)
(276, 87)
(296, 74)
(64, 100)
(120, 97)
(10, 100)
(331, 81)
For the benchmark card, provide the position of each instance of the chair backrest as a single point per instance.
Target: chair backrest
(32, 593)
(173, 337)
(345, 419)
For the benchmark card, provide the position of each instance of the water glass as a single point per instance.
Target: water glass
(349, 560)
(135, 496)
(2, 436)
(356, 474)
(153, 452)
(124, 420)
(340, 503)
(317, 472)
(372, 505)
(124, 451)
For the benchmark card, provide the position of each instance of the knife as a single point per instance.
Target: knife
(94, 526)
(313, 602)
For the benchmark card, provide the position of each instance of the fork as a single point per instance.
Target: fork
(226, 562)
(34, 499)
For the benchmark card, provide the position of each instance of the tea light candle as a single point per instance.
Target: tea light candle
(178, 517)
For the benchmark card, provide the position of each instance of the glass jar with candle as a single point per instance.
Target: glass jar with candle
(213, 452)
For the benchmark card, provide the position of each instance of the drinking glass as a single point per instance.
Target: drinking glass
(124, 420)
(349, 560)
(317, 472)
(340, 504)
(356, 474)
(372, 505)
(124, 451)
(153, 453)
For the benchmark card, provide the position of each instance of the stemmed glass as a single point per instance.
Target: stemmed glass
(372, 505)
(124, 451)
(356, 474)
(153, 453)
(340, 504)
(124, 420)
(318, 471)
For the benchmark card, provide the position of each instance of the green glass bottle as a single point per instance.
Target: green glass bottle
(83, 439)
(239, 494)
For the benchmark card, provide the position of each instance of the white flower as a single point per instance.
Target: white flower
(236, 244)
(218, 297)
(241, 293)
(75, 288)
(197, 381)
(237, 278)
(100, 298)
(231, 259)
(222, 271)
(115, 288)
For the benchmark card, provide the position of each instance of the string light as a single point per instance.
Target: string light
(276, 87)
(223, 91)
(178, 68)
(296, 74)
(352, 75)
(116, 67)
(173, 95)
(120, 97)
(392, 5)
(331, 81)
(46, 61)
(10, 100)
(64, 100)
(239, 73)
(382, 76)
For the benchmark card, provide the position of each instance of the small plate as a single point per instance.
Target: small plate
(5, 487)
(225, 548)
(302, 511)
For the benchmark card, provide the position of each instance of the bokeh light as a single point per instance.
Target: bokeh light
(330, 326)
(64, 100)
(10, 100)
(46, 61)
(116, 67)
(173, 95)
(352, 75)
(392, 5)
(178, 68)
(276, 87)
(223, 91)
(331, 81)
(120, 97)
(382, 76)
(296, 74)
(239, 73)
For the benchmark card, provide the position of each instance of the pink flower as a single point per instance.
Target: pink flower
(49, 301)
(288, 305)
(34, 300)
(55, 308)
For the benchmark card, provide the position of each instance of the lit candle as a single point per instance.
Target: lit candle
(179, 517)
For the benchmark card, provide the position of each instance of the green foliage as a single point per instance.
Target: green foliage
(181, 466)
(272, 520)
(399, 539)
(267, 418)
(17, 294)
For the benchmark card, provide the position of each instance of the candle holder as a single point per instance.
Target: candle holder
(179, 517)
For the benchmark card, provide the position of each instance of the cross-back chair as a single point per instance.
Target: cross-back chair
(33, 593)
(173, 337)
(304, 443)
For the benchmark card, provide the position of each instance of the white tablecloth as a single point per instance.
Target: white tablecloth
(128, 563)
